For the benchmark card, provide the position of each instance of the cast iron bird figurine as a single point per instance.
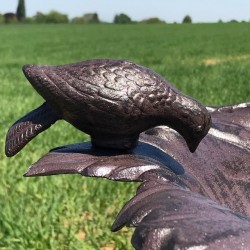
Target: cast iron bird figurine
(111, 100)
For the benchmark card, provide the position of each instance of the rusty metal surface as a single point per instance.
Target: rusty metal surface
(111, 100)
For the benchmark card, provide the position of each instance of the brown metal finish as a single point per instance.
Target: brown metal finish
(186, 201)
(28, 127)
(113, 101)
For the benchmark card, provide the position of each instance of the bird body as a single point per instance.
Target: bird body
(113, 101)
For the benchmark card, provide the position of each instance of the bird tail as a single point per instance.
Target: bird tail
(28, 127)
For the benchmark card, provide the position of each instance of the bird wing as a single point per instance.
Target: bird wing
(28, 127)
(97, 85)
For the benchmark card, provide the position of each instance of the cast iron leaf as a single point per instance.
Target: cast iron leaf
(185, 201)
(168, 216)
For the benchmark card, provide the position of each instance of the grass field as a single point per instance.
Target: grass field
(207, 61)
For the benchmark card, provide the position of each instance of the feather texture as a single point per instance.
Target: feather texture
(28, 127)
(115, 100)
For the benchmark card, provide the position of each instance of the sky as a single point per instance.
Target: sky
(168, 10)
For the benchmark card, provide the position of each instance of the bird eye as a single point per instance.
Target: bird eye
(199, 128)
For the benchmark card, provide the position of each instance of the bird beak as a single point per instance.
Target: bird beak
(194, 121)
(193, 144)
(195, 136)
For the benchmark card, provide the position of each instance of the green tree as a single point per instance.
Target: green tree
(20, 12)
(187, 19)
(10, 17)
(233, 21)
(153, 20)
(1, 18)
(51, 17)
(91, 18)
(87, 18)
(122, 19)
(39, 17)
(56, 17)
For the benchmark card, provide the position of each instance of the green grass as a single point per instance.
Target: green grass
(207, 61)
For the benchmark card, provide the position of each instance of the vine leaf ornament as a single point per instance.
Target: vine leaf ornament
(111, 100)
(185, 201)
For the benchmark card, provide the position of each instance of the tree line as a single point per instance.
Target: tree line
(57, 17)
(88, 18)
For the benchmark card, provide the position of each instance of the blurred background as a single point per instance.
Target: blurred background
(201, 47)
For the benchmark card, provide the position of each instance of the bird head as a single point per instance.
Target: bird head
(190, 119)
